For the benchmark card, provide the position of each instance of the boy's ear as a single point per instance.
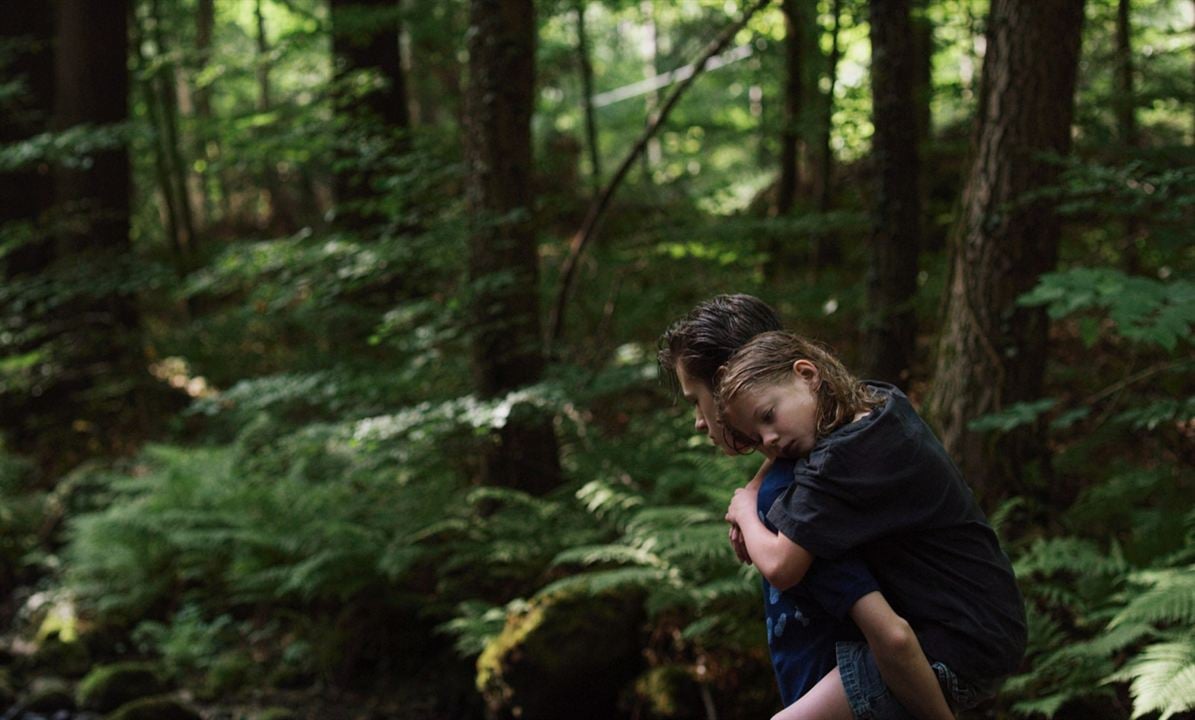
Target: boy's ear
(808, 372)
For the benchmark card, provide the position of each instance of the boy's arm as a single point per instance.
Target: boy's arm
(780, 560)
(898, 654)
(736, 535)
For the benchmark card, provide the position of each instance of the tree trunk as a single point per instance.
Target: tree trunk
(1126, 122)
(825, 249)
(27, 193)
(281, 215)
(991, 352)
(102, 331)
(595, 170)
(503, 262)
(205, 21)
(167, 86)
(365, 39)
(786, 193)
(890, 325)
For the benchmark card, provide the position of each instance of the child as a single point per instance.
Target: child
(804, 623)
(871, 478)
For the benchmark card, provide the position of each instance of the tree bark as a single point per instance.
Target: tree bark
(365, 38)
(281, 214)
(27, 193)
(503, 262)
(102, 331)
(825, 249)
(786, 193)
(1126, 121)
(890, 324)
(595, 170)
(991, 353)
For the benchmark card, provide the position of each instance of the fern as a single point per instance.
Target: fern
(1170, 598)
(1162, 677)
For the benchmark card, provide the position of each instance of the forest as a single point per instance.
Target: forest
(329, 332)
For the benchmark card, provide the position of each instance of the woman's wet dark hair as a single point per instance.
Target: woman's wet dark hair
(710, 333)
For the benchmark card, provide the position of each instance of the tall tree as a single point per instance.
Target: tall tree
(98, 329)
(25, 194)
(991, 352)
(281, 213)
(1126, 118)
(586, 68)
(890, 326)
(503, 260)
(365, 40)
(826, 248)
(786, 193)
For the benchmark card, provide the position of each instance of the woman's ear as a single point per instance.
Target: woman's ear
(808, 372)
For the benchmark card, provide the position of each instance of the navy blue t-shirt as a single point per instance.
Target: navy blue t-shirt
(885, 487)
(805, 621)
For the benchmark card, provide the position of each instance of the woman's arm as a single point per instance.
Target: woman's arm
(902, 663)
(780, 560)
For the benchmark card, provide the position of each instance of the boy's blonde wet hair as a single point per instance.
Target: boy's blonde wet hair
(768, 360)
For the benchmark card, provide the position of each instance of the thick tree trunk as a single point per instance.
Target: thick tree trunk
(890, 325)
(365, 38)
(205, 21)
(27, 193)
(167, 87)
(992, 352)
(786, 193)
(102, 331)
(503, 262)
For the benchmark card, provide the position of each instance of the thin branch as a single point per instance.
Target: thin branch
(598, 207)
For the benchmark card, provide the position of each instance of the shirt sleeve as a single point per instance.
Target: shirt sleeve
(841, 500)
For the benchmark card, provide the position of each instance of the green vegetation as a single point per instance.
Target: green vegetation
(278, 476)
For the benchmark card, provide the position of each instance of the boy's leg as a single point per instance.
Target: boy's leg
(826, 701)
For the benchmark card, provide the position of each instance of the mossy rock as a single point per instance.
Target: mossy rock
(61, 658)
(48, 696)
(154, 708)
(668, 691)
(276, 713)
(568, 654)
(109, 686)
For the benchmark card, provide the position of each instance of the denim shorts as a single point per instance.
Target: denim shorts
(870, 698)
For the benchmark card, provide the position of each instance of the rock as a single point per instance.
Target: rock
(109, 686)
(669, 691)
(154, 708)
(277, 713)
(568, 655)
(46, 697)
(58, 657)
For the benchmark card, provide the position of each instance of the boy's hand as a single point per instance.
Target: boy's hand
(743, 505)
(739, 545)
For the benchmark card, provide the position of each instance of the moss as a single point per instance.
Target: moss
(48, 696)
(668, 691)
(154, 708)
(567, 652)
(109, 686)
(277, 713)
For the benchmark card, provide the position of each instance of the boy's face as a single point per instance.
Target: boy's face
(780, 419)
(705, 409)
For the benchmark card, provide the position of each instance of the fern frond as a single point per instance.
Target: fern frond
(608, 502)
(594, 554)
(1162, 678)
(596, 583)
(1170, 598)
